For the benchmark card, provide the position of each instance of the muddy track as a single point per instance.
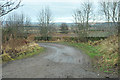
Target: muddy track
(58, 61)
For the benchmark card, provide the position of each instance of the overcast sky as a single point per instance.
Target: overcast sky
(62, 10)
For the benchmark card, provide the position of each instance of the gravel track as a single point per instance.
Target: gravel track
(58, 61)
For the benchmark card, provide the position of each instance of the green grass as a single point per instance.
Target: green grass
(94, 52)
(108, 71)
(89, 50)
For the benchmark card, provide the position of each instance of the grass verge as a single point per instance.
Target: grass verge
(31, 51)
(101, 61)
(34, 51)
(89, 50)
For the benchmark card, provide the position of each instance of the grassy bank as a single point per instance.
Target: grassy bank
(109, 50)
(36, 50)
(103, 59)
(24, 52)
(89, 50)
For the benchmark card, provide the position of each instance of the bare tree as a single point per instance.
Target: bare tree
(14, 26)
(114, 11)
(87, 8)
(44, 19)
(7, 6)
(27, 21)
(27, 24)
(110, 11)
(81, 17)
(105, 6)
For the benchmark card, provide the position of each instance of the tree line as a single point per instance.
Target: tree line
(82, 16)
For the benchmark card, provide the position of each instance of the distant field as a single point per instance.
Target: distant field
(90, 34)
(94, 33)
(100, 33)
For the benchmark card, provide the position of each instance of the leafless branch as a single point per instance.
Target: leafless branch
(9, 6)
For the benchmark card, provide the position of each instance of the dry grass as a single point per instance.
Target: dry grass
(21, 52)
(17, 47)
(109, 50)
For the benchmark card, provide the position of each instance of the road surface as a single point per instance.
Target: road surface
(58, 61)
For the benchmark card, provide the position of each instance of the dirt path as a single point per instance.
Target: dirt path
(59, 61)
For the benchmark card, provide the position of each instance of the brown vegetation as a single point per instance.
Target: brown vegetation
(109, 50)
(16, 47)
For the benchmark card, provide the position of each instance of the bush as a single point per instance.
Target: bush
(43, 38)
